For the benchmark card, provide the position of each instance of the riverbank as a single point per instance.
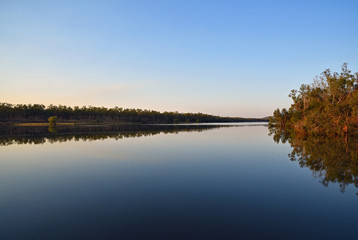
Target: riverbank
(109, 123)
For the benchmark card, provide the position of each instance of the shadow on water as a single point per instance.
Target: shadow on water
(332, 160)
(41, 134)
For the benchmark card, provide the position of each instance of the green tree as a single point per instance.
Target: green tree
(329, 106)
(52, 120)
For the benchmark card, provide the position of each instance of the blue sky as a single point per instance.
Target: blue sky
(230, 58)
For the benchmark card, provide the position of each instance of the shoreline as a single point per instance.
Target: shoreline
(44, 124)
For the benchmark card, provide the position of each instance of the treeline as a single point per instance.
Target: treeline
(40, 113)
(327, 107)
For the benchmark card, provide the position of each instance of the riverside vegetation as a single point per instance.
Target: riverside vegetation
(322, 127)
(327, 107)
(10, 113)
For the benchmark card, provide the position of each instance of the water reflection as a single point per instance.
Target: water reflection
(221, 183)
(332, 160)
(40, 134)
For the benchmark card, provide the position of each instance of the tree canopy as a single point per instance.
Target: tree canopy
(40, 113)
(328, 106)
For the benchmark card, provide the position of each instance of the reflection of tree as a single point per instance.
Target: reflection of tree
(38, 135)
(330, 159)
(52, 128)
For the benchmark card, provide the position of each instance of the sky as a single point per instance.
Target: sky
(228, 58)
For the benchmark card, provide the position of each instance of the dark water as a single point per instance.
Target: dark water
(175, 182)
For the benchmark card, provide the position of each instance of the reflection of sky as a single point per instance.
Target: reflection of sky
(232, 179)
(238, 58)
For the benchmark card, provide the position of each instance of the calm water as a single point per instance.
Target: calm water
(162, 182)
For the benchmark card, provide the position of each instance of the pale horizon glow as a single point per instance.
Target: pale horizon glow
(228, 58)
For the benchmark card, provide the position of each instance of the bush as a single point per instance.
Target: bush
(52, 120)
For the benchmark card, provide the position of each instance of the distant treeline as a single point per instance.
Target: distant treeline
(328, 107)
(40, 113)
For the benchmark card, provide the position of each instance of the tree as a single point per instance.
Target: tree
(329, 106)
(52, 120)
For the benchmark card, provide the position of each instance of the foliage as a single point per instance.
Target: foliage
(40, 113)
(52, 120)
(327, 107)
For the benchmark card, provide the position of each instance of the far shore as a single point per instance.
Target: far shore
(46, 124)
(41, 124)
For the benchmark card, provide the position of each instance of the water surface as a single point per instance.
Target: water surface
(168, 182)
